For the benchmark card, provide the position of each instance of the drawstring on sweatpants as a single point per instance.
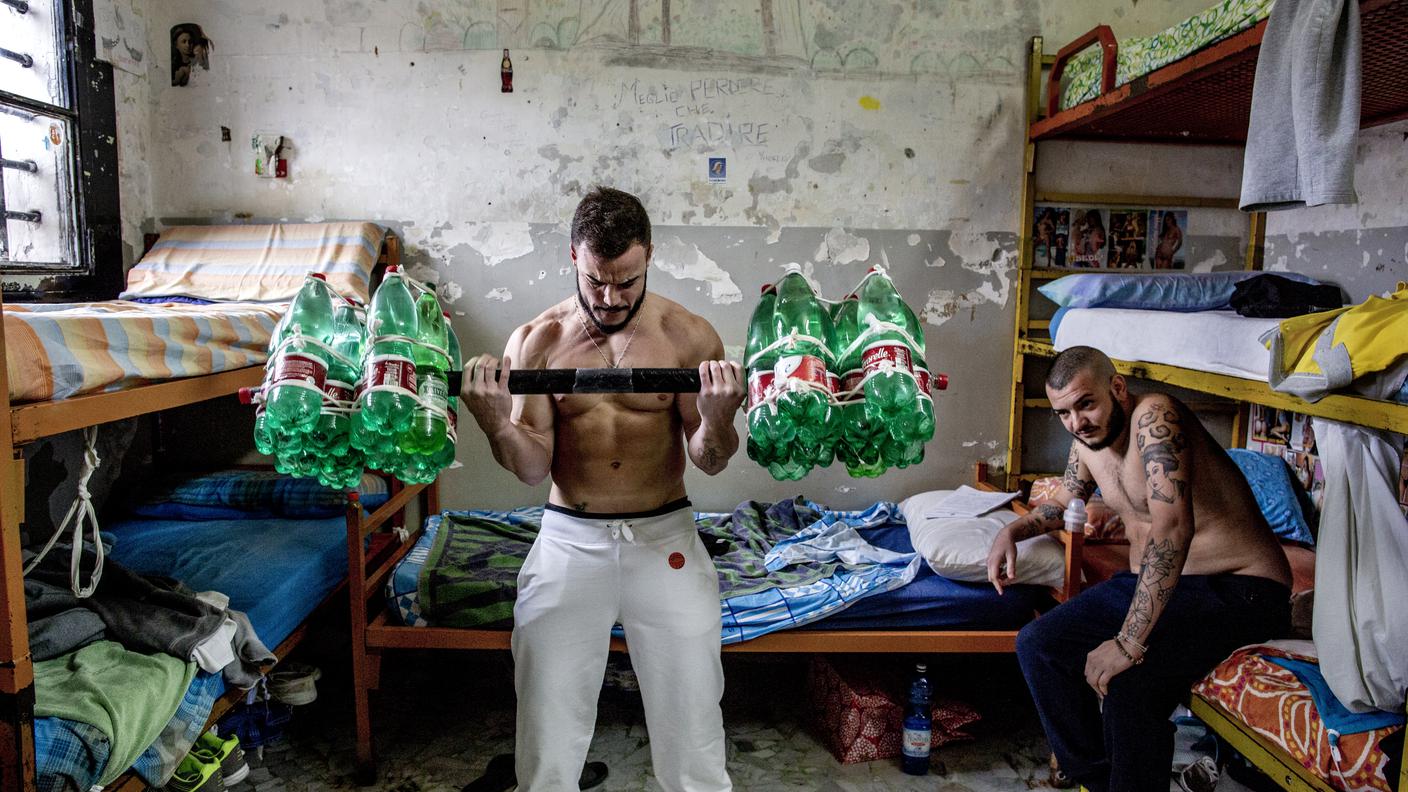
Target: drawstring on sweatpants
(621, 528)
(82, 509)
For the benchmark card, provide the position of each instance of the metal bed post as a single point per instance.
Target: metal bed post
(1025, 248)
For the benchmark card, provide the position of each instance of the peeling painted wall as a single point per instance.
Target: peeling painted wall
(1361, 247)
(855, 134)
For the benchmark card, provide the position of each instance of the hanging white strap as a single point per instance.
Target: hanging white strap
(81, 509)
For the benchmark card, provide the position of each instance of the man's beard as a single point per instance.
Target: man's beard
(1113, 429)
(607, 329)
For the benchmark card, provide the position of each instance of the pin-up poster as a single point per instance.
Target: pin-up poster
(1166, 230)
(1089, 237)
(1051, 236)
(1128, 235)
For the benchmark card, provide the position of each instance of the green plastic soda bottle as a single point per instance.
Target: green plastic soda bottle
(389, 389)
(293, 391)
(426, 433)
(759, 357)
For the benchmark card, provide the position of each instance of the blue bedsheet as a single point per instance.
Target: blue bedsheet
(276, 571)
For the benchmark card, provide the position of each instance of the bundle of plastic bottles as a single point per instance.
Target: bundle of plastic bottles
(842, 382)
(343, 392)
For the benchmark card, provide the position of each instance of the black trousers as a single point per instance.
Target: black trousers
(1125, 744)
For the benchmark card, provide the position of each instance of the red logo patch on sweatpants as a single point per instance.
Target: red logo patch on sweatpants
(676, 560)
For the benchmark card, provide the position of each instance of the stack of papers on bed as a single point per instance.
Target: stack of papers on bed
(968, 502)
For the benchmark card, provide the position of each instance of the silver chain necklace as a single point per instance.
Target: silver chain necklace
(599, 351)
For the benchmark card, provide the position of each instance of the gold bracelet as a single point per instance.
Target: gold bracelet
(1124, 636)
(1131, 658)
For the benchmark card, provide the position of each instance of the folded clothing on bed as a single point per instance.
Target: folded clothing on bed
(1257, 687)
(251, 494)
(128, 696)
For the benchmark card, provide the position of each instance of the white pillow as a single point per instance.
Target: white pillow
(957, 547)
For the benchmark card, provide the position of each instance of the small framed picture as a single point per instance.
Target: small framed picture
(718, 169)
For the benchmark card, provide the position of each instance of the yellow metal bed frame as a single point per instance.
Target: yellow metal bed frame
(1032, 340)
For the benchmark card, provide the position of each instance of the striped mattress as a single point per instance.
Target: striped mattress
(55, 351)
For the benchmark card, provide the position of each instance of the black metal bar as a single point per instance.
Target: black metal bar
(602, 380)
(18, 57)
(17, 103)
(24, 165)
(19, 5)
(28, 217)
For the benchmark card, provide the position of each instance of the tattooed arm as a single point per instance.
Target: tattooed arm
(1045, 518)
(1163, 449)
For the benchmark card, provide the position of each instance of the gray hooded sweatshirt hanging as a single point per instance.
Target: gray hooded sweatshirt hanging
(1305, 108)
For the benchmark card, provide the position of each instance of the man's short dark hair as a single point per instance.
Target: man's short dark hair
(1075, 360)
(609, 221)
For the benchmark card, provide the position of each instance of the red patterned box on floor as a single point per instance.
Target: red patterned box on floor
(857, 711)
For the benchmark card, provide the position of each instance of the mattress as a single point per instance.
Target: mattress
(929, 601)
(275, 571)
(55, 351)
(1139, 56)
(1221, 342)
(1276, 705)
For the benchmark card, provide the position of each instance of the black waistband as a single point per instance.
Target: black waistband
(672, 506)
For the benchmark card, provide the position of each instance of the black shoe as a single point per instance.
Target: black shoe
(499, 776)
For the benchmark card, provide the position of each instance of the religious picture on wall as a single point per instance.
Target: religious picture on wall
(1269, 427)
(1089, 238)
(1128, 235)
(1166, 228)
(189, 48)
(1051, 233)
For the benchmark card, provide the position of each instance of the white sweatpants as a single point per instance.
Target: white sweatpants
(652, 574)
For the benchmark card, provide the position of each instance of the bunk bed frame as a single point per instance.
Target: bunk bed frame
(1212, 90)
(373, 632)
(21, 424)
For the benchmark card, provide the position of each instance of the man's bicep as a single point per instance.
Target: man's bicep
(1162, 440)
(533, 412)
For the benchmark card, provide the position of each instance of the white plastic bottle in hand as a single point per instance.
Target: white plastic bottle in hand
(1074, 516)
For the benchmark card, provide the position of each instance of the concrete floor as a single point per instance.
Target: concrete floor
(440, 717)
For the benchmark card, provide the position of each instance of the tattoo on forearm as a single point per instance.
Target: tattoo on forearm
(1161, 446)
(1072, 481)
(711, 456)
(1159, 570)
(1037, 522)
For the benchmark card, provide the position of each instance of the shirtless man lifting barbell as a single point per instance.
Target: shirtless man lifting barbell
(618, 542)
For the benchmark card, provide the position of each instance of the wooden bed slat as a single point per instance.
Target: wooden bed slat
(44, 419)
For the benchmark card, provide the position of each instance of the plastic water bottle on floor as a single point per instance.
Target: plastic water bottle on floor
(918, 725)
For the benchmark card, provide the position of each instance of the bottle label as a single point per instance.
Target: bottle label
(337, 390)
(759, 386)
(851, 381)
(925, 380)
(434, 392)
(887, 355)
(803, 368)
(294, 367)
(391, 372)
(833, 381)
(916, 743)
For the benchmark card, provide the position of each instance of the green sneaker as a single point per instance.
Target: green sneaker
(196, 773)
(227, 753)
